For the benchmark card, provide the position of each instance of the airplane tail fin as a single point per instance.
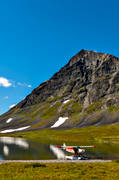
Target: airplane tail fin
(64, 145)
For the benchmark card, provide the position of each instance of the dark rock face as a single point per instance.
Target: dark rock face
(88, 74)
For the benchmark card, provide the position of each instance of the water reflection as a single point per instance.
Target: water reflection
(16, 141)
(18, 148)
(21, 149)
(57, 152)
(6, 150)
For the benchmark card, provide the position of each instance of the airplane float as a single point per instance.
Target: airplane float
(76, 151)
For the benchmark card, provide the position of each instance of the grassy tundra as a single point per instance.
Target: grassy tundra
(31, 171)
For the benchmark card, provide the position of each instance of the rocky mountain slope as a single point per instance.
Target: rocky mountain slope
(84, 92)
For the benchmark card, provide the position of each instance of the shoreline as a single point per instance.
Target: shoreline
(55, 161)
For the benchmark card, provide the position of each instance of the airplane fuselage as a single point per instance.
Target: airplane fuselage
(75, 150)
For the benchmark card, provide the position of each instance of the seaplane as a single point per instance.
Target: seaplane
(76, 151)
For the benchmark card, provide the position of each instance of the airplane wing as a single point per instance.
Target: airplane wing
(87, 146)
(64, 147)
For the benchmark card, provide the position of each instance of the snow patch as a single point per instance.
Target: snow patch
(13, 130)
(13, 105)
(9, 120)
(66, 101)
(60, 121)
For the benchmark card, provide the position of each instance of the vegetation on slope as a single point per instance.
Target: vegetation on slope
(109, 133)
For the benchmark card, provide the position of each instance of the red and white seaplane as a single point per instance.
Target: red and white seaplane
(76, 151)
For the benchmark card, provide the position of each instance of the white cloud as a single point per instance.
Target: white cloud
(6, 97)
(29, 86)
(24, 84)
(7, 83)
(11, 106)
(4, 82)
(20, 84)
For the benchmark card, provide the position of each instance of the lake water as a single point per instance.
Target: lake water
(21, 149)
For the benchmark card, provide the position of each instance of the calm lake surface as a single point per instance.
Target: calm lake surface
(22, 149)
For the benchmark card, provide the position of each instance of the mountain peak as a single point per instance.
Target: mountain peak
(86, 55)
(85, 68)
(82, 90)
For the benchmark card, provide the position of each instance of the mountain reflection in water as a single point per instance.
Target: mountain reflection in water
(18, 148)
(16, 141)
(57, 152)
(21, 149)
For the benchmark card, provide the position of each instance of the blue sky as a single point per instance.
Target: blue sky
(38, 37)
